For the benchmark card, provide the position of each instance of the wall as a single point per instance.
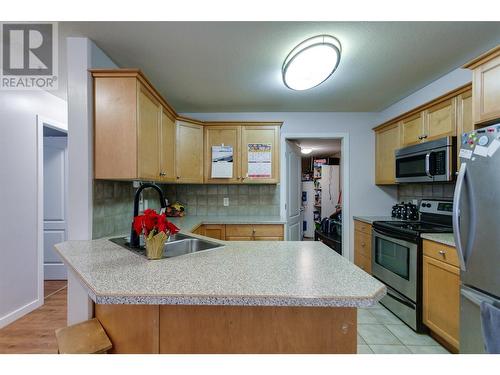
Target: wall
(113, 202)
(83, 54)
(19, 292)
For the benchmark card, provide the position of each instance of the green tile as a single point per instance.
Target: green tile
(389, 349)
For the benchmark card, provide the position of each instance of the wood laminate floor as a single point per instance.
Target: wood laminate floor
(34, 332)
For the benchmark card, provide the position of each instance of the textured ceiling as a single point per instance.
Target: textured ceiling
(236, 66)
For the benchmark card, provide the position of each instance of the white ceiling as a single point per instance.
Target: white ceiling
(321, 147)
(236, 66)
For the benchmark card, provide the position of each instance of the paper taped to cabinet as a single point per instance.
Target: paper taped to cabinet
(259, 160)
(222, 161)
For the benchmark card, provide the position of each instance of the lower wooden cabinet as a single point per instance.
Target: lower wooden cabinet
(441, 292)
(363, 246)
(242, 232)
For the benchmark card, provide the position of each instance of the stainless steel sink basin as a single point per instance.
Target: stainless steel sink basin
(176, 245)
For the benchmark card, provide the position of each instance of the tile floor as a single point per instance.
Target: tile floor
(381, 332)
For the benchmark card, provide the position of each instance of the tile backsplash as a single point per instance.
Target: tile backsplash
(408, 192)
(251, 200)
(113, 202)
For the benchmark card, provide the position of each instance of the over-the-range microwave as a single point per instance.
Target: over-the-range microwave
(433, 161)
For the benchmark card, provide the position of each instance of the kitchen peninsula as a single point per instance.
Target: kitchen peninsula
(242, 297)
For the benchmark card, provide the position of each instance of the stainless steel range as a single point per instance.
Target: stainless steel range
(397, 258)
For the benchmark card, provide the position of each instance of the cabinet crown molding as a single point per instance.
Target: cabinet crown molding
(484, 58)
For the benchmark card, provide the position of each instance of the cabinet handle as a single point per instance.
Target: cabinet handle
(420, 137)
(424, 136)
(442, 252)
(163, 174)
(363, 244)
(178, 177)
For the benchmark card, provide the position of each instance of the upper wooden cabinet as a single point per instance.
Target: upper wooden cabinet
(486, 86)
(189, 153)
(128, 126)
(138, 136)
(447, 115)
(227, 135)
(440, 120)
(386, 143)
(412, 130)
(268, 136)
(167, 147)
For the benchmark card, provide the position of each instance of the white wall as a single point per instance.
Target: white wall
(365, 197)
(446, 83)
(19, 291)
(82, 54)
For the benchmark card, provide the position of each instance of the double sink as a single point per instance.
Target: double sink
(177, 244)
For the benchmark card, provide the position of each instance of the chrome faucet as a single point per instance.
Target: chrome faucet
(134, 237)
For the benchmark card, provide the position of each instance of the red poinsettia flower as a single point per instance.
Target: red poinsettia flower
(151, 221)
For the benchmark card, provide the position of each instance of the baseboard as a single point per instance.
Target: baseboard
(54, 271)
(16, 314)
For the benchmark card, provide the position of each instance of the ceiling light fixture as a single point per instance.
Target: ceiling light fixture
(306, 150)
(311, 62)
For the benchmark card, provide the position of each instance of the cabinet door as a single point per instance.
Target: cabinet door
(441, 296)
(227, 136)
(412, 130)
(440, 120)
(486, 86)
(217, 231)
(386, 142)
(258, 172)
(189, 153)
(167, 148)
(149, 117)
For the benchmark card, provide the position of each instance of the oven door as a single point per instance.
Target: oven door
(394, 262)
(426, 166)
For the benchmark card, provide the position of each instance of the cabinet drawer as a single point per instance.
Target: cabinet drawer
(254, 230)
(363, 227)
(444, 253)
(363, 243)
(363, 262)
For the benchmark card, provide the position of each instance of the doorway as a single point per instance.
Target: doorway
(316, 189)
(52, 197)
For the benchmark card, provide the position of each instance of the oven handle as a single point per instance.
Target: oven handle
(428, 164)
(393, 237)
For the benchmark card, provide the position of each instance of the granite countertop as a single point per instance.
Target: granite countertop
(444, 238)
(189, 223)
(371, 219)
(260, 273)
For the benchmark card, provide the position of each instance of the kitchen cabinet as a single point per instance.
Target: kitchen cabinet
(440, 120)
(217, 231)
(448, 115)
(412, 130)
(441, 292)
(149, 117)
(486, 87)
(189, 153)
(254, 232)
(386, 142)
(167, 147)
(227, 135)
(363, 246)
(128, 125)
(267, 135)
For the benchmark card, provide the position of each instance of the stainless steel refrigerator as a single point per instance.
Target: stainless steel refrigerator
(476, 226)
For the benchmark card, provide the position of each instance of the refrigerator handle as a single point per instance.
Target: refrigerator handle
(456, 214)
(463, 253)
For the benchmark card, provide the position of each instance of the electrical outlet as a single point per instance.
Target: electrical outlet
(226, 201)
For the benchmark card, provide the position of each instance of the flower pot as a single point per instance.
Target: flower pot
(154, 245)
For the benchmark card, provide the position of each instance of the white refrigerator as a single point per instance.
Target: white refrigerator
(308, 205)
(330, 189)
